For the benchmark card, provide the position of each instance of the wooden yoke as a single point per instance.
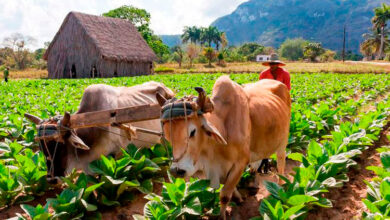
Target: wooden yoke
(115, 116)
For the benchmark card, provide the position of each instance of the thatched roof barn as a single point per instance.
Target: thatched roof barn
(96, 46)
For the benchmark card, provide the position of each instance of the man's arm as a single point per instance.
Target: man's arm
(287, 80)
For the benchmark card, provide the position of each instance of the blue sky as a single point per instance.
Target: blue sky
(42, 18)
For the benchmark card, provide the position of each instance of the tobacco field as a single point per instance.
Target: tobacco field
(335, 119)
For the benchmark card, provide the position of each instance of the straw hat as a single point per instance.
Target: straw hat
(273, 60)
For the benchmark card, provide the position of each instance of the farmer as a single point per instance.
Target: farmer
(6, 73)
(274, 72)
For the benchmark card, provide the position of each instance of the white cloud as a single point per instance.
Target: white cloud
(42, 18)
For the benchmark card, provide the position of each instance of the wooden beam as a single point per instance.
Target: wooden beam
(120, 116)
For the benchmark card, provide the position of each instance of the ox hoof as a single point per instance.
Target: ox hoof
(264, 167)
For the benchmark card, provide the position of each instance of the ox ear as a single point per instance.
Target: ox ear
(212, 131)
(77, 142)
(161, 99)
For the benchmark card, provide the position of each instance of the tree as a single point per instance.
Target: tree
(139, 17)
(209, 53)
(192, 52)
(211, 35)
(224, 40)
(38, 53)
(20, 55)
(178, 54)
(268, 50)
(292, 49)
(382, 15)
(5, 53)
(221, 58)
(191, 34)
(251, 50)
(372, 41)
(313, 50)
(141, 20)
(328, 56)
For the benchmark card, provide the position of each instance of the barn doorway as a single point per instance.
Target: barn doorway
(73, 71)
(115, 74)
(94, 72)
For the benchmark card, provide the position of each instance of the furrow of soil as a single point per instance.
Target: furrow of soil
(347, 200)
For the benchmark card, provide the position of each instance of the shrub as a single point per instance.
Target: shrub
(313, 51)
(210, 54)
(292, 49)
(328, 56)
(164, 69)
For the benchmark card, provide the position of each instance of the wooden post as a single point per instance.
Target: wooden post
(343, 54)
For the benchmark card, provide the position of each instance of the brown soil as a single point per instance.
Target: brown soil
(347, 201)
(250, 207)
(10, 212)
(126, 211)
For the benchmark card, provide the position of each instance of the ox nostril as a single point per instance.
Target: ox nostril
(180, 172)
(177, 172)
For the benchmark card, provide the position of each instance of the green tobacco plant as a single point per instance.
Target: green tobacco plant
(70, 204)
(83, 183)
(32, 172)
(325, 166)
(182, 200)
(35, 213)
(378, 191)
(134, 171)
(10, 188)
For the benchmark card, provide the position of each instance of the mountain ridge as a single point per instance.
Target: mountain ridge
(271, 22)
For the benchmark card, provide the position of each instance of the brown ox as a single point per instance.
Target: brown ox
(82, 146)
(245, 126)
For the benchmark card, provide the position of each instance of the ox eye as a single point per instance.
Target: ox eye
(192, 134)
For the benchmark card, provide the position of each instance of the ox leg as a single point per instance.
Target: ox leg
(237, 196)
(230, 185)
(281, 160)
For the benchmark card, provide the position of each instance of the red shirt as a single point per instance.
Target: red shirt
(281, 75)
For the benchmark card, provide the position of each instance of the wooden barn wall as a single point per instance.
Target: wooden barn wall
(109, 68)
(74, 47)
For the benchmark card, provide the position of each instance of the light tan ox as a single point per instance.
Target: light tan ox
(247, 125)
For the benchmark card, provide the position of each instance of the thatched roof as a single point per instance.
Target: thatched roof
(115, 39)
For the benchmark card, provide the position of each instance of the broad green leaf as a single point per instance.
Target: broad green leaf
(292, 211)
(385, 158)
(273, 188)
(301, 199)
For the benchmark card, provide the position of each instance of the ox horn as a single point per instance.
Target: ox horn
(203, 101)
(66, 119)
(160, 99)
(34, 119)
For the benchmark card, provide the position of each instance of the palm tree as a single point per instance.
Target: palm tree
(211, 35)
(372, 42)
(382, 15)
(191, 34)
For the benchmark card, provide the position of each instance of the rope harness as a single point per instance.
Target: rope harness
(44, 134)
(185, 108)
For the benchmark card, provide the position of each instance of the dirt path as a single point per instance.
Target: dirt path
(370, 62)
(250, 207)
(347, 201)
